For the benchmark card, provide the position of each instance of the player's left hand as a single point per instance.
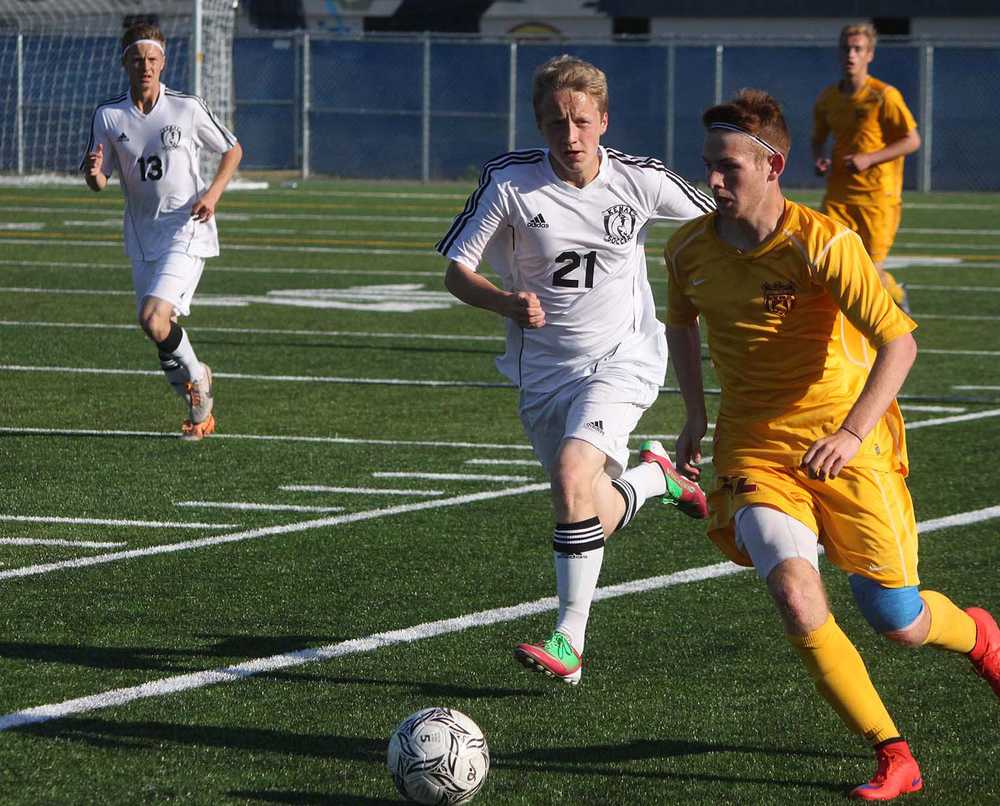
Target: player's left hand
(203, 209)
(828, 455)
(856, 163)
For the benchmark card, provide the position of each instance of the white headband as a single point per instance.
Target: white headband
(731, 128)
(144, 42)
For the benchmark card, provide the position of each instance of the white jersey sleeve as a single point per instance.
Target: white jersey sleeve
(208, 132)
(675, 199)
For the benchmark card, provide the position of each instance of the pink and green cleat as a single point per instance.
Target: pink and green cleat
(682, 493)
(555, 658)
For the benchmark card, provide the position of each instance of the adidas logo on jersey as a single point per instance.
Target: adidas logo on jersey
(595, 425)
(538, 222)
(123, 138)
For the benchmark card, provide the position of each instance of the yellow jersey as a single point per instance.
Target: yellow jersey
(778, 320)
(866, 121)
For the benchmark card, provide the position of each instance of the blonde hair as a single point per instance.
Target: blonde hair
(756, 113)
(139, 31)
(859, 29)
(569, 73)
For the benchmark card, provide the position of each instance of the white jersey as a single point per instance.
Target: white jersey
(156, 156)
(582, 252)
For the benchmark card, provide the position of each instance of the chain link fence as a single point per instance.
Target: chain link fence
(426, 107)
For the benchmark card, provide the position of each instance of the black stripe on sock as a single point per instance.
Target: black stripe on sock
(578, 538)
(173, 339)
(627, 491)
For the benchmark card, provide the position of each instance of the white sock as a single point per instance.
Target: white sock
(579, 552)
(636, 485)
(185, 355)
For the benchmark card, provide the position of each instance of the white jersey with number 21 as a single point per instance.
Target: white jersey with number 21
(156, 156)
(582, 252)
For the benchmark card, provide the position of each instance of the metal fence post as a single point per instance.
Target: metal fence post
(718, 74)
(19, 113)
(924, 182)
(306, 104)
(425, 133)
(512, 99)
(668, 145)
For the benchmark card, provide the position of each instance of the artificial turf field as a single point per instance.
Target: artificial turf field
(205, 623)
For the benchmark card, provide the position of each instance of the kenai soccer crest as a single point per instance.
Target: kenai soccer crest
(619, 224)
(170, 136)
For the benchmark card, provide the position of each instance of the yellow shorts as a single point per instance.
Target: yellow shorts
(863, 518)
(876, 224)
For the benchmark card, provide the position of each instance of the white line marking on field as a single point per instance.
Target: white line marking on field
(957, 317)
(418, 443)
(249, 507)
(360, 334)
(961, 519)
(924, 350)
(958, 418)
(946, 231)
(26, 226)
(942, 409)
(978, 388)
(268, 531)
(371, 643)
(448, 476)
(240, 376)
(235, 247)
(37, 541)
(111, 522)
(321, 488)
(264, 215)
(525, 462)
(955, 206)
(976, 288)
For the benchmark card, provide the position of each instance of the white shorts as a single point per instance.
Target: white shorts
(602, 409)
(172, 277)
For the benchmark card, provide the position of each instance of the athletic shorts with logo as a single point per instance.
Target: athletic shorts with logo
(864, 517)
(602, 408)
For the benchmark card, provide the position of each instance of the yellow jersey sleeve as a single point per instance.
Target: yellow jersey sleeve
(847, 273)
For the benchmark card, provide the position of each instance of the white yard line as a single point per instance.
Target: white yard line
(322, 488)
(978, 388)
(991, 289)
(235, 247)
(958, 418)
(524, 462)
(115, 522)
(958, 352)
(34, 541)
(940, 409)
(360, 334)
(447, 476)
(416, 443)
(249, 507)
(267, 531)
(372, 643)
(241, 376)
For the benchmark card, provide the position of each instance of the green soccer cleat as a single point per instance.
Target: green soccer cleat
(555, 658)
(682, 493)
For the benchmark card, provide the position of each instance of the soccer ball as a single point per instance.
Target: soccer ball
(438, 756)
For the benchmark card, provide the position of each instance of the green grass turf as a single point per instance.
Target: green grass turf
(690, 695)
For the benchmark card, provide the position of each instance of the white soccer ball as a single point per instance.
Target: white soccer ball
(438, 756)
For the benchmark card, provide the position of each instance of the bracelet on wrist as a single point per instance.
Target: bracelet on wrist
(854, 434)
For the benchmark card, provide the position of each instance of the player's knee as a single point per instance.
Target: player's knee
(890, 611)
(798, 593)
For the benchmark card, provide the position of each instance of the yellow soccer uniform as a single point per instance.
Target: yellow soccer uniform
(866, 121)
(781, 322)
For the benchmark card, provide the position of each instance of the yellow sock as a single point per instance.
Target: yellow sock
(842, 679)
(951, 627)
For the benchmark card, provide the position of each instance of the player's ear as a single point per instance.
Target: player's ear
(777, 163)
(604, 122)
